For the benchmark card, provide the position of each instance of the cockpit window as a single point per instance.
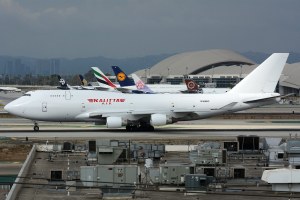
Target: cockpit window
(27, 95)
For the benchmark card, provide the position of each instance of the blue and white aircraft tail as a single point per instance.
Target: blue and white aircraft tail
(122, 77)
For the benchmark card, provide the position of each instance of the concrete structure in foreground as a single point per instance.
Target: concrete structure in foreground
(53, 172)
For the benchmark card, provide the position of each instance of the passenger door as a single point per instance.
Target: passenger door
(67, 95)
(44, 107)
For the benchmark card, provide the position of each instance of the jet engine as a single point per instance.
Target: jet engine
(113, 122)
(158, 119)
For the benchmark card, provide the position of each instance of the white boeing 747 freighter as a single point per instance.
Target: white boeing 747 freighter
(144, 111)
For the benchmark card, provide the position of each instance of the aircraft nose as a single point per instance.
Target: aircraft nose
(9, 108)
(12, 108)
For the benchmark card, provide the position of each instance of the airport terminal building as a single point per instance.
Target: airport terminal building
(220, 68)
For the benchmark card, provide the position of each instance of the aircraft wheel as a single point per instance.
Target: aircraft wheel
(36, 128)
(131, 128)
(146, 127)
(151, 128)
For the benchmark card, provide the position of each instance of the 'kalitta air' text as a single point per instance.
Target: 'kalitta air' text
(106, 101)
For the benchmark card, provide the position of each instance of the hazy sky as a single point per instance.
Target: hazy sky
(133, 28)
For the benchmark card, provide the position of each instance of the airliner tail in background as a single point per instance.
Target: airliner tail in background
(102, 79)
(83, 81)
(140, 85)
(122, 77)
(62, 83)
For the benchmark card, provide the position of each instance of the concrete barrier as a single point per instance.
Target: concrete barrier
(24, 170)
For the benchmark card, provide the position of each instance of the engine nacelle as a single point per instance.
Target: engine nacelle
(158, 119)
(113, 122)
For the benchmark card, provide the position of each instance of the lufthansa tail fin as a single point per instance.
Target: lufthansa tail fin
(140, 85)
(101, 78)
(122, 78)
(264, 78)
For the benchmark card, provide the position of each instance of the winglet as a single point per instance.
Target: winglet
(264, 78)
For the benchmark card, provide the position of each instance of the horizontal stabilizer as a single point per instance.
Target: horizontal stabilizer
(261, 99)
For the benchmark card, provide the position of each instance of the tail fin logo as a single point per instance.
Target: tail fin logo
(62, 81)
(121, 76)
(191, 85)
(140, 85)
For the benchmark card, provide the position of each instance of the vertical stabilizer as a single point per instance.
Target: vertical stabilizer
(82, 80)
(191, 85)
(101, 78)
(62, 83)
(140, 85)
(265, 77)
(122, 77)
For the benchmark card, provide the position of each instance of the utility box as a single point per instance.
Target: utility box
(293, 146)
(174, 174)
(217, 172)
(109, 175)
(89, 175)
(144, 151)
(114, 180)
(209, 156)
(293, 152)
(122, 174)
(197, 182)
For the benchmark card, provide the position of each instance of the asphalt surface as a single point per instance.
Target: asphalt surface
(17, 127)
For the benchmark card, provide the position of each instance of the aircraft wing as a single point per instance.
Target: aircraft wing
(101, 114)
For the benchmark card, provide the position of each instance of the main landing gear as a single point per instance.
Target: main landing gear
(36, 127)
(142, 127)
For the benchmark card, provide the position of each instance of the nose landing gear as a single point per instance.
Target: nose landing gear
(36, 127)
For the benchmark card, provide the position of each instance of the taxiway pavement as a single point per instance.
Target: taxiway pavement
(214, 128)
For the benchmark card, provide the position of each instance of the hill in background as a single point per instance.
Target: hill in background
(26, 65)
